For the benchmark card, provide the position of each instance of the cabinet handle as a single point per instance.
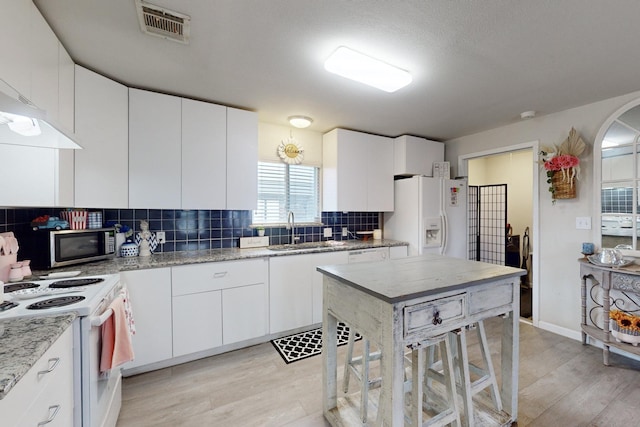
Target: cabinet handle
(219, 274)
(52, 366)
(53, 411)
(436, 318)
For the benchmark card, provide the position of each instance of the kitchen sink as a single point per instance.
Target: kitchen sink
(303, 246)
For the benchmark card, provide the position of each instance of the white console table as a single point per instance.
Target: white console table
(406, 301)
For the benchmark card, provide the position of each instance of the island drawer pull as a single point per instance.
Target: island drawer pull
(52, 415)
(52, 366)
(219, 274)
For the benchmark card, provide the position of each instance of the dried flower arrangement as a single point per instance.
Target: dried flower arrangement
(562, 164)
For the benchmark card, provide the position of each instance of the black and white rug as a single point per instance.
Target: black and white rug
(306, 344)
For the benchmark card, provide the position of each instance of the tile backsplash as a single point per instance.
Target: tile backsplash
(203, 229)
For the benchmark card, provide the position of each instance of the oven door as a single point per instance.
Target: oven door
(101, 393)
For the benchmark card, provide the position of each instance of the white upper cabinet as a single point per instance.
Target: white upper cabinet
(44, 71)
(204, 154)
(154, 150)
(415, 156)
(15, 66)
(242, 159)
(102, 127)
(357, 172)
(190, 154)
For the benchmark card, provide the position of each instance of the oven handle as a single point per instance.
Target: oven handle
(99, 320)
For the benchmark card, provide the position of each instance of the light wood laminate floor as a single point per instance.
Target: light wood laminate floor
(562, 383)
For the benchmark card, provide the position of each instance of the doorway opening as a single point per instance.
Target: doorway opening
(514, 166)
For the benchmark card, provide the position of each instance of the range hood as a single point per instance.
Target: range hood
(22, 123)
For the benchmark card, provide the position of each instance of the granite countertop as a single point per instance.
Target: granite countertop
(414, 277)
(23, 340)
(169, 259)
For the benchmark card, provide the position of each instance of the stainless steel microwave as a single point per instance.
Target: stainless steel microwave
(59, 248)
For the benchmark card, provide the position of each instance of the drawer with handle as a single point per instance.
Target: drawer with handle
(436, 315)
(195, 278)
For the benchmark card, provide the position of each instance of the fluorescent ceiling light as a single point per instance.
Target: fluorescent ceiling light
(300, 121)
(365, 69)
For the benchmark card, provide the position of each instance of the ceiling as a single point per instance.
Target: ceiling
(476, 65)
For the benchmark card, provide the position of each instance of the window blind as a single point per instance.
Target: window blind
(283, 188)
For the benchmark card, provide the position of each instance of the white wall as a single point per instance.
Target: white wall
(270, 136)
(516, 170)
(560, 242)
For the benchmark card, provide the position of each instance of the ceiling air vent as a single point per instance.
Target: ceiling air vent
(161, 22)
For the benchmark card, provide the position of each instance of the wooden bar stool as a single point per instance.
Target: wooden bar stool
(415, 382)
(484, 375)
(359, 367)
(422, 391)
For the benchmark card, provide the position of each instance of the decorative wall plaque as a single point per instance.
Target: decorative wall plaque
(290, 151)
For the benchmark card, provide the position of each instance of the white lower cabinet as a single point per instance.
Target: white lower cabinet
(45, 392)
(197, 322)
(218, 303)
(296, 289)
(150, 293)
(290, 293)
(398, 252)
(245, 312)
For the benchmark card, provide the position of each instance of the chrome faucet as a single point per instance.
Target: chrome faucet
(291, 224)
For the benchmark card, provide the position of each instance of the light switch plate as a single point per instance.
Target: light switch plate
(583, 223)
(328, 232)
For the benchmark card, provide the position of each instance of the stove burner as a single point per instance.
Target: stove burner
(19, 287)
(71, 283)
(7, 305)
(55, 302)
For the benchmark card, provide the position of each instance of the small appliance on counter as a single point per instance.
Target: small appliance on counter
(57, 248)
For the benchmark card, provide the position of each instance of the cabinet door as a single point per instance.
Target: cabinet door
(150, 292)
(344, 155)
(102, 126)
(36, 175)
(329, 258)
(396, 252)
(242, 159)
(290, 293)
(15, 67)
(65, 163)
(154, 150)
(245, 313)
(44, 72)
(204, 153)
(197, 322)
(379, 174)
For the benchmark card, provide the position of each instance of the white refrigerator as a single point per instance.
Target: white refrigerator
(430, 214)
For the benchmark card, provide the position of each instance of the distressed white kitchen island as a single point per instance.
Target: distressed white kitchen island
(405, 301)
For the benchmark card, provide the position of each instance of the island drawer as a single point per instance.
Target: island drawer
(489, 298)
(437, 315)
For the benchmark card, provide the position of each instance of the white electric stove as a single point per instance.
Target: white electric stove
(82, 295)
(97, 396)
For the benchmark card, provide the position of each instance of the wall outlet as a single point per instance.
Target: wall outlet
(160, 236)
(583, 223)
(328, 232)
(345, 231)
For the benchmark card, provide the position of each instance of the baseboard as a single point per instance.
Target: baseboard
(565, 332)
